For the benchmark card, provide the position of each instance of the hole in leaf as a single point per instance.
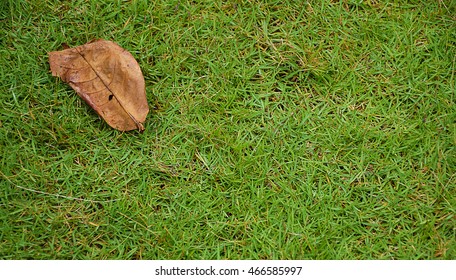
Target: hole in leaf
(110, 97)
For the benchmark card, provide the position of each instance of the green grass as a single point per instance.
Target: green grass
(279, 130)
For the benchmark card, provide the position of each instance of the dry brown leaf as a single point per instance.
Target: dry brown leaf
(108, 78)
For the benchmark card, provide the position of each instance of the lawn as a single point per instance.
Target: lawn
(278, 130)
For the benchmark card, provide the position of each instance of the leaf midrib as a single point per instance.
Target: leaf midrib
(138, 124)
